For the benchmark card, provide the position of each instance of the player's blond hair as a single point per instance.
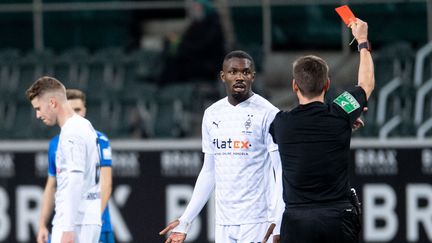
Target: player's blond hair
(72, 94)
(44, 85)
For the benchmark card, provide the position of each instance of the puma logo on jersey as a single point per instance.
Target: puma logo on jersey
(216, 124)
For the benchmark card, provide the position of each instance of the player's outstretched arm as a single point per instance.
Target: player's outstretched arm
(47, 208)
(203, 188)
(174, 236)
(169, 227)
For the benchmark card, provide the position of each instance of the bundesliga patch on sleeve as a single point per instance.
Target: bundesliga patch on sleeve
(347, 102)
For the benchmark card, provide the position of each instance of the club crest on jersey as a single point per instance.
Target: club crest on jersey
(248, 125)
(231, 144)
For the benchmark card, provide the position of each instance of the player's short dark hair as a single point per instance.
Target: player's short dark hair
(72, 94)
(240, 54)
(43, 85)
(310, 73)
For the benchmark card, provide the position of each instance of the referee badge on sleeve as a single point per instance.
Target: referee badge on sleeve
(347, 102)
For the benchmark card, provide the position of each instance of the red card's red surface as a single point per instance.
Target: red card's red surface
(346, 14)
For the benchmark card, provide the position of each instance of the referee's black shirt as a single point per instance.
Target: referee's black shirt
(314, 142)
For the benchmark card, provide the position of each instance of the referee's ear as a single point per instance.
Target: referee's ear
(295, 87)
(327, 85)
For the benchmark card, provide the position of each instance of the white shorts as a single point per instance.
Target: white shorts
(245, 233)
(83, 234)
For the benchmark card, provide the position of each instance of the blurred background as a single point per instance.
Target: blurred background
(150, 68)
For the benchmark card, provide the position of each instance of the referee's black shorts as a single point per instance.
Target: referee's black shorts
(322, 224)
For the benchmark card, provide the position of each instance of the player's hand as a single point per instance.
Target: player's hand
(269, 232)
(68, 237)
(43, 234)
(276, 239)
(170, 226)
(174, 237)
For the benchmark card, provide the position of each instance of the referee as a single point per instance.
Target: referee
(314, 142)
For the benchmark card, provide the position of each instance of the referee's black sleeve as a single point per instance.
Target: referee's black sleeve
(359, 96)
(271, 130)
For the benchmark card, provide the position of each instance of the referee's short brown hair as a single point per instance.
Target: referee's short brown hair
(311, 74)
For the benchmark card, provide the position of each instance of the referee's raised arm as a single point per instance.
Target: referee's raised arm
(366, 77)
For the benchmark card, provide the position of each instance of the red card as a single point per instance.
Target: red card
(346, 14)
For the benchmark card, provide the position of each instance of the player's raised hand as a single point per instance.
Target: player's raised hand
(174, 237)
(42, 236)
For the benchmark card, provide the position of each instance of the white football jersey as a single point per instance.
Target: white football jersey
(78, 152)
(238, 137)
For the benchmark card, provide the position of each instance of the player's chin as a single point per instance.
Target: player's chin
(48, 123)
(239, 91)
(239, 95)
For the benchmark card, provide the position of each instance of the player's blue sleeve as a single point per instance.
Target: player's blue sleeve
(105, 149)
(52, 149)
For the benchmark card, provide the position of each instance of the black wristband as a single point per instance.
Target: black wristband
(365, 44)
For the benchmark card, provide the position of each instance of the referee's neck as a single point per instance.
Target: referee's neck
(305, 100)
